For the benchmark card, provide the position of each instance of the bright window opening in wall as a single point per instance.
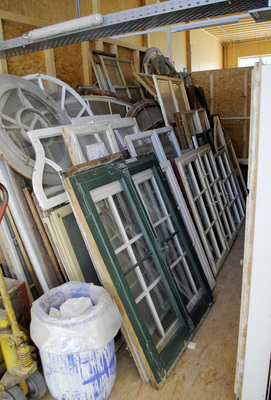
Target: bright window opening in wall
(250, 61)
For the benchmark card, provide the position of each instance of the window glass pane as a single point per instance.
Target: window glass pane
(139, 268)
(163, 312)
(180, 94)
(168, 146)
(127, 71)
(122, 92)
(80, 249)
(113, 72)
(172, 245)
(56, 150)
(94, 146)
(135, 94)
(143, 146)
(166, 95)
(191, 125)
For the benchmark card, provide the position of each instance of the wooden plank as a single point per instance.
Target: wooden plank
(169, 44)
(136, 57)
(87, 68)
(50, 66)
(42, 232)
(24, 253)
(260, 121)
(51, 241)
(114, 49)
(121, 43)
(7, 257)
(3, 61)
(4, 264)
(188, 51)
(22, 19)
(77, 169)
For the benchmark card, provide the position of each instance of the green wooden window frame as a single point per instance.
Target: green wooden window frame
(82, 186)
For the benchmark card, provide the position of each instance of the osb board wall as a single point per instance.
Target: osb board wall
(138, 40)
(231, 52)
(230, 98)
(46, 10)
(109, 7)
(27, 63)
(69, 66)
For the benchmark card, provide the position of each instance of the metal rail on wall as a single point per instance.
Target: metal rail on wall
(158, 14)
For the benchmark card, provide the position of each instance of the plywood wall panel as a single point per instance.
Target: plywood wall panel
(30, 63)
(228, 94)
(69, 66)
(47, 10)
(126, 54)
(109, 7)
(138, 40)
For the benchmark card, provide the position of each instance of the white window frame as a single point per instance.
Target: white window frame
(40, 80)
(182, 162)
(178, 197)
(153, 136)
(46, 203)
(175, 103)
(72, 133)
(222, 141)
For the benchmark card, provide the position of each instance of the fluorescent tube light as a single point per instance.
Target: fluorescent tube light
(65, 27)
(234, 19)
(208, 23)
(138, 33)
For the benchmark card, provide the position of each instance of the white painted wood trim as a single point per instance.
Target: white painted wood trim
(258, 254)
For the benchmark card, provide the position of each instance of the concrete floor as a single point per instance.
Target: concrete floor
(208, 371)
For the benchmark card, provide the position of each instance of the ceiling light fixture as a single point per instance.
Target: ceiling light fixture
(235, 19)
(65, 27)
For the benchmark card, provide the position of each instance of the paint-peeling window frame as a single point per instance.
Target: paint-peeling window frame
(81, 187)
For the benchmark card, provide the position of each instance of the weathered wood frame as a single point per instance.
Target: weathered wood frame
(68, 95)
(96, 247)
(147, 82)
(109, 101)
(179, 199)
(193, 128)
(46, 203)
(212, 176)
(113, 130)
(153, 138)
(58, 233)
(221, 140)
(229, 184)
(253, 354)
(72, 133)
(9, 149)
(192, 162)
(175, 99)
(125, 86)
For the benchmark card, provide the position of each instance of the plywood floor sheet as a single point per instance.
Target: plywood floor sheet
(208, 371)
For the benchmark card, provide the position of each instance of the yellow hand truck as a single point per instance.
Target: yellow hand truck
(21, 378)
